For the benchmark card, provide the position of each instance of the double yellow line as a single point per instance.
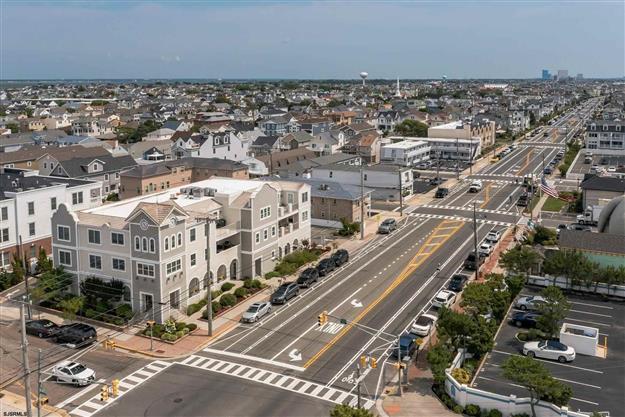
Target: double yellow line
(527, 162)
(424, 252)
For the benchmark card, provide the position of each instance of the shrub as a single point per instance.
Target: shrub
(185, 330)
(494, 413)
(227, 286)
(168, 337)
(256, 283)
(215, 306)
(457, 409)
(472, 410)
(157, 330)
(286, 268)
(272, 274)
(179, 334)
(228, 300)
(461, 375)
(215, 294)
(248, 284)
(91, 313)
(193, 308)
(240, 292)
(202, 302)
(191, 326)
(520, 415)
(180, 325)
(124, 311)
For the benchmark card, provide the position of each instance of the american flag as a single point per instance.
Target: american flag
(548, 189)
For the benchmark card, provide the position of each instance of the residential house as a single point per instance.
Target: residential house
(598, 191)
(484, 130)
(279, 125)
(327, 143)
(159, 134)
(407, 153)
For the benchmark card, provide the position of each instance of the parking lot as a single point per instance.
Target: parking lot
(604, 161)
(597, 383)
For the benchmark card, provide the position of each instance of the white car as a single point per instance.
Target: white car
(485, 248)
(531, 302)
(444, 299)
(256, 312)
(611, 169)
(549, 349)
(73, 373)
(423, 325)
(493, 236)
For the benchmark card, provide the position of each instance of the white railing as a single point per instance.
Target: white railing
(601, 288)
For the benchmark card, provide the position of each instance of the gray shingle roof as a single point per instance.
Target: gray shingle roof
(604, 184)
(592, 242)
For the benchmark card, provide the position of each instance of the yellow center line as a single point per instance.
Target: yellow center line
(416, 261)
(527, 162)
(487, 198)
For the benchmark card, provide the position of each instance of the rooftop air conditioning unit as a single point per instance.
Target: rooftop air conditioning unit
(209, 192)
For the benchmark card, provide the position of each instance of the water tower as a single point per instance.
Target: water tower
(364, 76)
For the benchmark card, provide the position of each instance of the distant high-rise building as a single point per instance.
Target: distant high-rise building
(563, 75)
(546, 75)
(579, 76)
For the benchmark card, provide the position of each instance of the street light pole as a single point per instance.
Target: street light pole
(401, 192)
(399, 362)
(362, 202)
(457, 160)
(477, 256)
(29, 405)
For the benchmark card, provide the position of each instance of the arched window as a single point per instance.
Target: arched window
(173, 241)
(179, 239)
(152, 246)
(137, 243)
(166, 244)
(144, 244)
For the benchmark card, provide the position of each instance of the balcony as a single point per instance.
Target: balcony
(227, 230)
(286, 210)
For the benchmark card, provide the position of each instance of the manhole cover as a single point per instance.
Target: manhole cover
(177, 400)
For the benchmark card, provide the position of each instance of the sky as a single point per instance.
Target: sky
(309, 39)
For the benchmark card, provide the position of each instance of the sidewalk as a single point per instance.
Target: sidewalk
(417, 399)
(14, 405)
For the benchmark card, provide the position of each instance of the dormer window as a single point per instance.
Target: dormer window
(216, 141)
(95, 166)
(605, 127)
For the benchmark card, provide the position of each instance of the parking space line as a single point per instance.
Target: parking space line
(578, 383)
(592, 314)
(554, 363)
(584, 401)
(589, 322)
(592, 305)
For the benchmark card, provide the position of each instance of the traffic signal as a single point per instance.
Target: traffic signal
(363, 361)
(115, 387)
(373, 362)
(104, 393)
(322, 318)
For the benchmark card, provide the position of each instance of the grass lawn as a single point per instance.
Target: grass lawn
(554, 204)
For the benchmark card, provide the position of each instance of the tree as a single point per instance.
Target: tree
(13, 126)
(51, 285)
(553, 311)
(71, 306)
(412, 128)
(532, 118)
(343, 410)
(439, 357)
(476, 298)
(544, 235)
(454, 327)
(44, 264)
(534, 377)
(520, 259)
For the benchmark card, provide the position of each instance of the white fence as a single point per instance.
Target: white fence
(508, 405)
(547, 280)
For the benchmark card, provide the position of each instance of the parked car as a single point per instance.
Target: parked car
(325, 266)
(580, 227)
(611, 169)
(284, 293)
(524, 319)
(444, 298)
(387, 226)
(423, 325)
(530, 302)
(340, 257)
(485, 248)
(308, 277)
(474, 262)
(256, 312)
(42, 328)
(407, 346)
(436, 181)
(76, 334)
(457, 282)
(442, 192)
(493, 236)
(73, 373)
(548, 170)
(549, 349)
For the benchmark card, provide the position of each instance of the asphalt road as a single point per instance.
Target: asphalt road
(183, 391)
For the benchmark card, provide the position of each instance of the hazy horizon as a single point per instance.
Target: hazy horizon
(309, 40)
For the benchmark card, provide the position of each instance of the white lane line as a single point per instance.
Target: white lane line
(78, 394)
(520, 386)
(591, 305)
(589, 322)
(551, 362)
(578, 383)
(251, 358)
(592, 314)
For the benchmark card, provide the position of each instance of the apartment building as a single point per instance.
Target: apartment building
(606, 136)
(447, 148)
(160, 176)
(28, 201)
(225, 145)
(460, 129)
(166, 246)
(406, 153)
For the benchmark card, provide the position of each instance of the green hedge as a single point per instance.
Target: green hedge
(228, 300)
(227, 286)
(240, 292)
(252, 284)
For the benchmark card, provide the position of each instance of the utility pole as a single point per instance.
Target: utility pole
(399, 363)
(209, 296)
(457, 160)
(39, 383)
(401, 193)
(29, 404)
(477, 256)
(22, 256)
(358, 384)
(362, 203)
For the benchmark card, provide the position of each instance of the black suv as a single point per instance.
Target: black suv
(457, 282)
(472, 262)
(76, 334)
(325, 266)
(340, 257)
(307, 277)
(284, 293)
(441, 192)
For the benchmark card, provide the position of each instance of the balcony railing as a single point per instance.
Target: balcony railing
(227, 230)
